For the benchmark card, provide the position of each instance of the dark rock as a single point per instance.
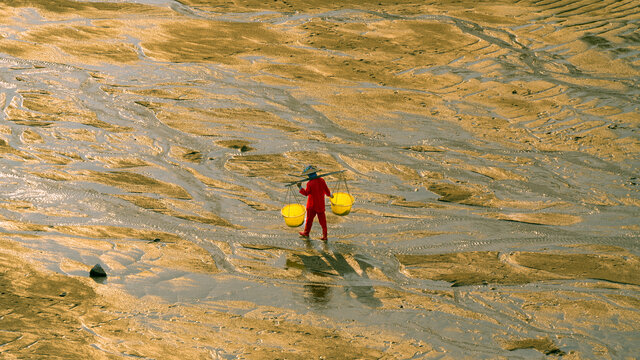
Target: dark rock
(97, 271)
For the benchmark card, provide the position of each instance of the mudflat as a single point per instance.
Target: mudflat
(492, 149)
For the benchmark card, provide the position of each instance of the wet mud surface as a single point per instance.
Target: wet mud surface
(492, 149)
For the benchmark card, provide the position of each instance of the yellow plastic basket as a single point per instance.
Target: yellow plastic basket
(293, 214)
(341, 203)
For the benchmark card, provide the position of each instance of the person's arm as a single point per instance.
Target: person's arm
(326, 189)
(303, 191)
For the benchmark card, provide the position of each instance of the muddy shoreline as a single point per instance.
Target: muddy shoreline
(492, 149)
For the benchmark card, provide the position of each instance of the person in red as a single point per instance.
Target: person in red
(315, 191)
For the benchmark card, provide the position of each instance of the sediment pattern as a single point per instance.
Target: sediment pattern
(492, 148)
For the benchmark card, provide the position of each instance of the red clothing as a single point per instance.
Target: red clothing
(322, 218)
(315, 192)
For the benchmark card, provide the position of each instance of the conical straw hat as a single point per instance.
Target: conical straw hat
(309, 169)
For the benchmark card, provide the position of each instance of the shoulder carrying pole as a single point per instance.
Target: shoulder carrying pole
(319, 176)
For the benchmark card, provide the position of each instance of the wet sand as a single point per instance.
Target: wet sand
(492, 148)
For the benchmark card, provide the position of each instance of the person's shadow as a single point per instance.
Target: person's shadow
(327, 264)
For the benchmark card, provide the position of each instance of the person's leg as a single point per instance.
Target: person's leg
(323, 222)
(307, 226)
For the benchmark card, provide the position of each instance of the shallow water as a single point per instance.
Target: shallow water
(155, 137)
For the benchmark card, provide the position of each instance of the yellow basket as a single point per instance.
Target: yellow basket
(341, 203)
(293, 214)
